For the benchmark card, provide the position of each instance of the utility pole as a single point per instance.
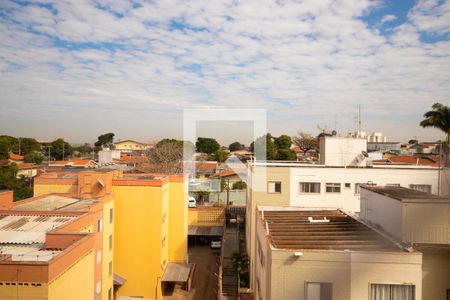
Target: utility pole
(359, 118)
(20, 150)
(440, 167)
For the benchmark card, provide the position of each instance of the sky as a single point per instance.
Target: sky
(77, 69)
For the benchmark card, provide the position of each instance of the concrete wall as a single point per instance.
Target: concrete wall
(259, 196)
(436, 272)
(350, 273)
(340, 151)
(347, 198)
(382, 212)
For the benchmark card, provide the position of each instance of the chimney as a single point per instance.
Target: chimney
(6, 200)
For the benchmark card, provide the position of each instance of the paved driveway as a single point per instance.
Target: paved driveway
(204, 285)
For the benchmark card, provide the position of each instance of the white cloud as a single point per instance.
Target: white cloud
(301, 60)
(388, 18)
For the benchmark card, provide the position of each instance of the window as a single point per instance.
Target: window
(98, 287)
(100, 225)
(333, 188)
(274, 187)
(391, 292)
(421, 187)
(319, 291)
(111, 215)
(310, 187)
(110, 268)
(348, 185)
(110, 242)
(99, 256)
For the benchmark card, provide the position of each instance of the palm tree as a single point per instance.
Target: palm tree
(439, 117)
(239, 262)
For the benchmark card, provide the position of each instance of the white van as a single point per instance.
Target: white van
(192, 202)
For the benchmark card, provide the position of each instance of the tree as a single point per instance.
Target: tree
(7, 144)
(84, 149)
(28, 145)
(286, 154)
(265, 141)
(105, 140)
(306, 141)
(220, 155)
(283, 142)
(60, 149)
(239, 185)
(207, 145)
(166, 156)
(34, 157)
(239, 263)
(236, 146)
(8, 181)
(438, 117)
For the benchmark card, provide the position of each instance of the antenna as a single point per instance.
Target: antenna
(359, 118)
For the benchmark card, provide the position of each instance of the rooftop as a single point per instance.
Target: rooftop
(402, 193)
(298, 229)
(53, 203)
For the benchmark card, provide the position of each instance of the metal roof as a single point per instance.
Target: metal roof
(402, 193)
(321, 229)
(177, 272)
(30, 229)
(54, 202)
(205, 230)
(27, 253)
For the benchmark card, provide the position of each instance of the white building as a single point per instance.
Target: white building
(106, 156)
(417, 219)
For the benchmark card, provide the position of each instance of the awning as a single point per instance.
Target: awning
(194, 230)
(178, 273)
(119, 280)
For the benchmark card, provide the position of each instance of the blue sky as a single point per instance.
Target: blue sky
(76, 69)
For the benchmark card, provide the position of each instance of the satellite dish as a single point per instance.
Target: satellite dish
(364, 153)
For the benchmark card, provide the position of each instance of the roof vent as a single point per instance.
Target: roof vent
(324, 220)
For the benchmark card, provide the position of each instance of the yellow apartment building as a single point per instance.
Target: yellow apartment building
(150, 224)
(52, 247)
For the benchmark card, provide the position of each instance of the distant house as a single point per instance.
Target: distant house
(129, 146)
(74, 163)
(383, 146)
(28, 170)
(16, 158)
(409, 160)
(230, 176)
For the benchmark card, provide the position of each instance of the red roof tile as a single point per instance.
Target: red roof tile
(14, 156)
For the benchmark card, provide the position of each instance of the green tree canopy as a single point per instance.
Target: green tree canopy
(60, 149)
(220, 155)
(261, 144)
(28, 145)
(105, 140)
(207, 145)
(239, 185)
(34, 157)
(283, 142)
(8, 181)
(286, 154)
(438, 117)
(236, 146)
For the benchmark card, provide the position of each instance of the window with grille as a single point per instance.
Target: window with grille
(391, 292)
(421, 187)
(333, 187)
(310, 187)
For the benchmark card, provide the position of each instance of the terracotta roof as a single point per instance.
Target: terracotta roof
(409, 160)
(204, 166)
(133, 159)
(25, 166)
(74, 163)
(14, 156)
(297, 150)
(226, 173)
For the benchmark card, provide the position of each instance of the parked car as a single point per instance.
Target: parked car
(192, 202)
(216, 244)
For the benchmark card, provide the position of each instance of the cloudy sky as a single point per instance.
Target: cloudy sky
(76, 69)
